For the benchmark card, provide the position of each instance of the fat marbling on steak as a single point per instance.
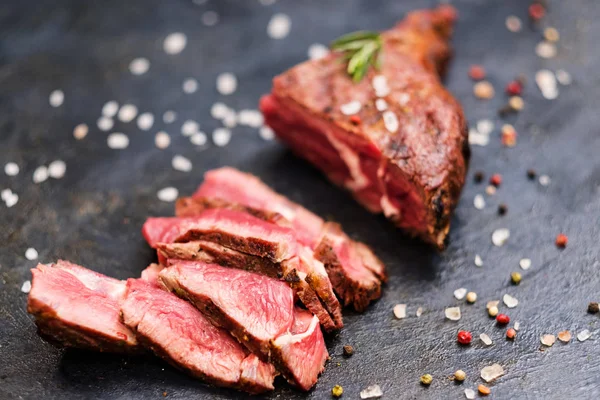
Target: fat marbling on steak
(177, 332)
(259, 311)
(406, 158)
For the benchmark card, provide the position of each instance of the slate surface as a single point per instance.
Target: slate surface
(94, 214)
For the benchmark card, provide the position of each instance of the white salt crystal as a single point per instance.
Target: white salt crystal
(492, 372)
(469, 394)
(162, 140)
(513, 23)
(546, 81)
(5, 194)
(563, 77)
(279, 26)
(198, 139)
(500, 236)
(583, 335)
(525, 263)
(252, 118)
(221, 136)
(390, 120)
(452, 313)
(545, 49)
(11, 200)
(266, 133)
(40, 174)
(351, 108)
(169, 117)
(190, 85)
(485, 339)
(56, 98)
(317, 51)
(460, 293)
(174, 43)
(145, 121)
(11, 169)
(105, 123)
(380, 85)
(189, 127)
(117, 141)
(110, 109)
(400, 311)
(139, 66)
(479, 202)
(372, 392)
(544, 180)
(31, 254)
(510, 301)
(26, 287)
(381, 104)
(57, 169)
(478, 261)
(168, 194)
(219, 110)
(180, 163)
(226, 83)
(485, 126)
(127, 113)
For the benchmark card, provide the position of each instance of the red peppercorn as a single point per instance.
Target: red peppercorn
(476, 72)
(496, 180)
(514, 88)
(355, 119)
(502, 319)
(536, 11)
(511, 333)
(464, 337)
(561, 240)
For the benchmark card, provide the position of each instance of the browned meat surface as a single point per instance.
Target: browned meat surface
(412, 172)
(181, 335)
(233, 186)
(76, 307)
(259, 311)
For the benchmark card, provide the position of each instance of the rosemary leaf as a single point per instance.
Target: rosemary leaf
(361, 50)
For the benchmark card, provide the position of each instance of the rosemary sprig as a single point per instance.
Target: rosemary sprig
(361, 49)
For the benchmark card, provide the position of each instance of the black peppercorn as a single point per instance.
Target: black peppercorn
(478, 177)
(502, 209)
(593, 307)
(531, 174)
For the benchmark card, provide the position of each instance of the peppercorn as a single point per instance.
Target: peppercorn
(484, 390)
(464, 337)
(337, 391)
(514, 88)
(471, 297)
(502, 319)
(496, 180)
(476, 72)
(478, 177)
(511, 334)
(348, 350)
(426, 379)
(531, 174)
(355, 119)
(493, 311)
(593, 307)
(536, 11)
(460, 375)
(561, 240)
(515, 278)
(502, 209)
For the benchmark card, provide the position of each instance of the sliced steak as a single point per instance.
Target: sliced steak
(76, 307)
(259, 311)
(408, 162)
(234, 229)
(150, 274)
(233, 186)
(177, 332)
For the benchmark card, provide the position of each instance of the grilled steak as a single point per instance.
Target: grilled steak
(150, 274)
(180, 334)
(237, 187)
(409, 161)
(76, 307)
(259, 311)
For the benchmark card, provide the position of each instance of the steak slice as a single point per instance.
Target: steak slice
(181, 335)
(150, 274)
(259, 311)
(234, 229)
(410, 168)
(291, 271)
(76, 307)
(234, 186)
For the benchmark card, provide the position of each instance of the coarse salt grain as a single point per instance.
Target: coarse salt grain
(189, 127)
(279, 26)
(460, 293)
(419, 312)
(162, 140)
(317, 51)
(452, 313)
(221, 136)
(400, 311)
(510, 301)
(544, 180)
(500, 236)
(219, 110)
(117, 141)
(485, 126)
(174, 43)
(372, 392)
(252, 118)
(181, 163)
(198, 139)
(230, 120)
(168, 194)
(380, 85)
(266, 133)
(145, 121)
(56, 99)
(478, 261)
(189, 86)
(390, 120)
(479, 202)
(105, 123)
(525, 263)
(469, 394)
(492, 372)
(110, 109)
(5, 194)
(31, 254)
(548, 340)
(584, 335)
(546, 81)
(80, 131)
(492, 303)
(381, 104)
(57, 169)
(139, 66)
(26, 287)
(11, 199)
(40, 174)
(11, 169)
(169, 117)
(513, 23)
(517, 325)
(127, 113)
(545, 50)
(486, 339)
(351, 108)
(210, 18)
(226, 83)
(478, 139)
(563, 77)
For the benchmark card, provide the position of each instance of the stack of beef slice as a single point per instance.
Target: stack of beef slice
(246, 281)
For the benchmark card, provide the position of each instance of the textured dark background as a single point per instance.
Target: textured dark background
(93, 216)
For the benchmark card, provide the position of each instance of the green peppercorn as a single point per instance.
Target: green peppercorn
(515, 277)
(426, 379)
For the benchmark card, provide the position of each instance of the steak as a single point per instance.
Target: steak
(150, 274)
(233, 186)
(234, 229)
(181, 335)
(406, 159)
(259, 311)
(76, 307)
